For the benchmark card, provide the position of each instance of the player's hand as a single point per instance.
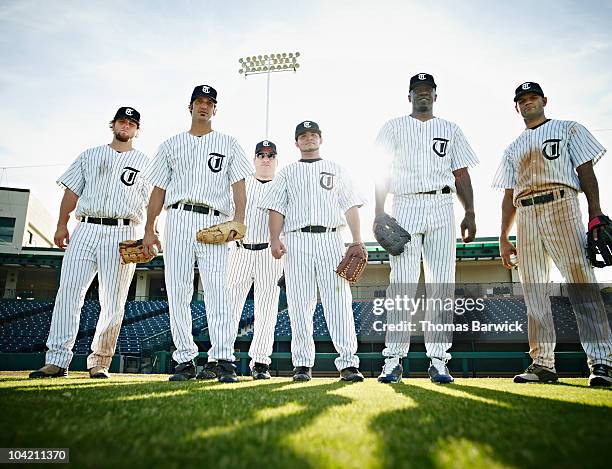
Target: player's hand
(150, 243)
(61, 237)
(507, 249)
(468, 224)
(232, 234)
(278, 249)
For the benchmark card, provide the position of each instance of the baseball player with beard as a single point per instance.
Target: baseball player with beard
(310, 200)
(542, 172)
(251, 263)
(195, 174)
(106, 187)
(429, 160)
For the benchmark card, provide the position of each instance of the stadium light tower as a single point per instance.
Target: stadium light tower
(268, 64)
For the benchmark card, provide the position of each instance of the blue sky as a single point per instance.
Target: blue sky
(67, 65)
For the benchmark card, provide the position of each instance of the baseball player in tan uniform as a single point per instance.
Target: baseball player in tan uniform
(252, 264)
(542, 172)
(311, 200)
(106, 187)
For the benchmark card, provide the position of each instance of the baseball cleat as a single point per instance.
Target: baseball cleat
(351, 374)
(392, 371)
(302, 373)
(537, 374)
(99, 372)
(601, 375)
(227, 372)
(209, 371)
(49, 371)
(184, 371)
(260, 371)
(438, 372)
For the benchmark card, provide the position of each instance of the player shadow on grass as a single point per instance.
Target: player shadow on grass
(152, 423)
(508, 429)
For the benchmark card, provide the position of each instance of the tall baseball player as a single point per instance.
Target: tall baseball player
(542, 172)
(194, 175)
(106, 187)
(251, 262)
(429, 161)
(310, 200)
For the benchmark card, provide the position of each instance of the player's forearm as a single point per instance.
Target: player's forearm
(156, 203)
(275, 224)
(380, 195)
(508, 213)
(67, 206)
(590, 187)
(463, 185)
(352, 219)
(239, 192)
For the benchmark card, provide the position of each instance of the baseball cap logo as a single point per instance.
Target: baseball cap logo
(128, 111)
(206, 89)
(422, 76)
(526, 86)
(307, 124)
(266, 143)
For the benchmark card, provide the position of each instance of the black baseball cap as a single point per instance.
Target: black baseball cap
(420, 79)
(127, 113)
(306, 126)
(204, 91)
(528, 87)
(265, 145)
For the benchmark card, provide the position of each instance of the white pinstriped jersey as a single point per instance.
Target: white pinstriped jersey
(109, 183)
(255, 220)
(311, 193)
(546, 157)
(199, 170)
(423, 154)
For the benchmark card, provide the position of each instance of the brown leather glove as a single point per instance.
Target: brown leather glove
(353, 263)
(132, 251)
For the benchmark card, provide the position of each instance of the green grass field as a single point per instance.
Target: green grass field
(144, 420)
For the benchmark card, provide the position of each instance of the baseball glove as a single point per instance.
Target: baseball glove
(601, 228)
(390, 235)
(353, 263)
(218, 234)
(132, 251)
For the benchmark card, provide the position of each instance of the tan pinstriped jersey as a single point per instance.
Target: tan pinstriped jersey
(546, 158)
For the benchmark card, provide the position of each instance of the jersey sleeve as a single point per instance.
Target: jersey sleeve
(583, 147)
(145, 186)
(348, 196)
(274, 196)
(385, 141)
(505, 177)
(239, 166)
(158, 172)
(74, 177)
(461, 153)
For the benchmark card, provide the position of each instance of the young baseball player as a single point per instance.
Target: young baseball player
(311, 200)
(542, 172)
(251, 263)
(106, 187)
(194, 175)
(429, 160)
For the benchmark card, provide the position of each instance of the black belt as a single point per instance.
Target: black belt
(541, 199)
(253, 247)
(445, 190)
(196, 208)
(106, 221)
(316, 229)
